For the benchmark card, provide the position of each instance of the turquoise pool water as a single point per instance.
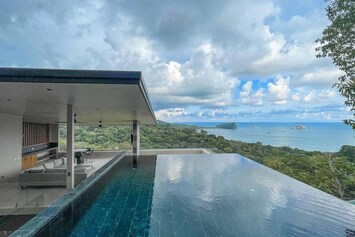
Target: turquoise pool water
(210, 195)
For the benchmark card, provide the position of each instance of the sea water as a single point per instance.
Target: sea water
(314, 137)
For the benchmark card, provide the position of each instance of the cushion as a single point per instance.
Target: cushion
(83, 168)
(61, 167)
(49, 165)
(64, 160)
(58, 162)
(36, 169)
(56, 170)
(80, 169)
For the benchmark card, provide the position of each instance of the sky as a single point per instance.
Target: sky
(210, 60)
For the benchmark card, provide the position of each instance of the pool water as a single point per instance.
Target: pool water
(211, 195)
(123, 207)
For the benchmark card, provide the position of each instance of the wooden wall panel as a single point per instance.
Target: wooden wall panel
(35, 134)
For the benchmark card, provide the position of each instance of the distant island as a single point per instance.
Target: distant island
(231, 125)
(300, 127)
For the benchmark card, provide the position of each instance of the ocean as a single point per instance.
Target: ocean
(314, 137)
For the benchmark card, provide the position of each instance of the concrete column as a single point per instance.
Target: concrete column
(136, 137)
(70, 147)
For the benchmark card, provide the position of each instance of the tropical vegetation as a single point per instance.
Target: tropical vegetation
(338, 43)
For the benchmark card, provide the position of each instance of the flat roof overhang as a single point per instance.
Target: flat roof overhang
(42, 95)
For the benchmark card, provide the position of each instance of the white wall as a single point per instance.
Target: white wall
(10, 145)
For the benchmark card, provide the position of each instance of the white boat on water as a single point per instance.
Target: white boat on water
(300, 127)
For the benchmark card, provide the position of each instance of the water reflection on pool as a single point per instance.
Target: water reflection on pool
(229, 195)
(211, 195)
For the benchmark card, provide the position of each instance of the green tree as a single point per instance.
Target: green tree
(338, 42)
(348, 152)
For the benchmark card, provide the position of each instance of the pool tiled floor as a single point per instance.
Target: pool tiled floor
(123, 207)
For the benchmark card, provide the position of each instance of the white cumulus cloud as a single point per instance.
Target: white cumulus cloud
(166, 113)
(193, 54)
(279, 90)
(248, 97)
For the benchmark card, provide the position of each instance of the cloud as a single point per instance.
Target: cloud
(316, 96)
(309, 97)
(93, 37)
(306, 112)
(275, 92)
(320, 78)
(334, 112)
(327, 94)
(198, 81)
(292, 42)
(296, 96)
(287, 57)
(279, 91)
(306, 27)
(166, 113)
(218, 113)
(177, 26)
(247, 96)
(193, 54)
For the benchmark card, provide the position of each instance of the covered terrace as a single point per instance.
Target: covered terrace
(33, 102)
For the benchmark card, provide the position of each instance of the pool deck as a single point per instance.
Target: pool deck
(12, 196)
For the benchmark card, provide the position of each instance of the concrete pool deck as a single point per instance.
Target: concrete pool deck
(12, 196)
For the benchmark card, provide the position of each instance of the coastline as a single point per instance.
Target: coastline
(316, 136)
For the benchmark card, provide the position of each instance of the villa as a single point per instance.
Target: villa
(186, 192)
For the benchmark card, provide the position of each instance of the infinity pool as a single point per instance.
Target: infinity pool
(210, 195)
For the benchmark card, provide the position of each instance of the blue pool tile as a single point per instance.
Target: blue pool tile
(90, 231)
(166, 228)
(137, 228)
(183, 228)
(106, 229)
(123, 227)
(210, 227)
